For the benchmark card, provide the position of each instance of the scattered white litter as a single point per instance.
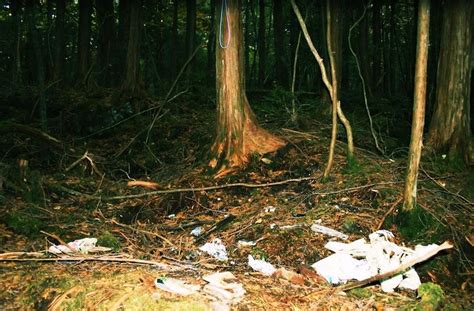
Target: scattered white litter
(223, 289)
(376, 257)
(328, 231)
(216, 249)
(269, 209)
(176, 286)
(261, 266)
(86, 245)
(196, 231)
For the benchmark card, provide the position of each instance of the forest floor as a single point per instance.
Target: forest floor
(52, 195)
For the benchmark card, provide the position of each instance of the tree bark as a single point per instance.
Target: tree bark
(60, 49)
(211, 42)
(30, 9)
(132, 74)
(419, 99)
(106, 37)
(450, 125)
(84, 37)
(377, 42)
(122, 38)
(238, 134)
(364, 55)
(15, 8)
(190, 35)
(174, 40)
(261, 47)
(279, 41)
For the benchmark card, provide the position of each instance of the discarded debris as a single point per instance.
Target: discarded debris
(328, 231)
(223, 289)
(262, 266)
(215, 249)
(196, 231)
(243, 243)
(380, 256)
(84, 246)
(176, 286)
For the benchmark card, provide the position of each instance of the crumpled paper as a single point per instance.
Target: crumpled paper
(360, 260)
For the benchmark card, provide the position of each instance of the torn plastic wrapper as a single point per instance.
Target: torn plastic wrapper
(176, 286)
(86, 245)
(261, 266)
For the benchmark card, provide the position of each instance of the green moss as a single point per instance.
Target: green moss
(350, 225)
(418, 224)
(360, 293)
(259, 253)
(109, 240)
(431, 297)
(353, 167)
(24, 223)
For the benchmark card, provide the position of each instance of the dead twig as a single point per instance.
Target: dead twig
(390, 210)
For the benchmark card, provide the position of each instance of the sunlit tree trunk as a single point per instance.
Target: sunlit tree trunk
(238, 134)
(60, 50)
(419, 99)
(105, 25)
(83, 45)
(131, 83)
(262, 51)
(450, 125)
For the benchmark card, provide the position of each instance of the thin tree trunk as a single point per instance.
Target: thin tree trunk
(30, 7)
(279, 40)
(132, 74)
(190, 34)
(419, 99)
(60, 40)
(211, 43)
(106, 36)
(450, 130)
(262, 56)
(16, 30)
(122, 38)
(363, 56)
(174, 41)
(377, 42)
(83, 45)
(238, 134)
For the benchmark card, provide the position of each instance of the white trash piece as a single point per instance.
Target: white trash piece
(84, 246)
(269, 209)
(223, 288)
(196, 231)
(261, 266)
(328, 231)
(360, 260)
(176, 286)
(216, 249)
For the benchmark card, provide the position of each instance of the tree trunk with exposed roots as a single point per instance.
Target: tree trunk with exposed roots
(238, 133)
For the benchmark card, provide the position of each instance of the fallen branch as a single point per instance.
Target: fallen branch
(403, 267)
(83, 259)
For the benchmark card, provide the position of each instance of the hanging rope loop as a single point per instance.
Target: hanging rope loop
(221, 21)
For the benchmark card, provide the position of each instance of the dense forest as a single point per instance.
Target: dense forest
(134, 122)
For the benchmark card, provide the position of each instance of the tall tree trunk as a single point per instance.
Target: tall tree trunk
(190, 35)
(122, 39)
(238, 134)
(60, 49)
(131, 83)
(211, 42)
(83, 45)
(247, 27)
(450, 125)
(30, 9)
(262, 52)
(106, 36)
(419, 99)
(15, 8)
(376, 38)
(363, 55)
(174, 40)
(279, 40)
